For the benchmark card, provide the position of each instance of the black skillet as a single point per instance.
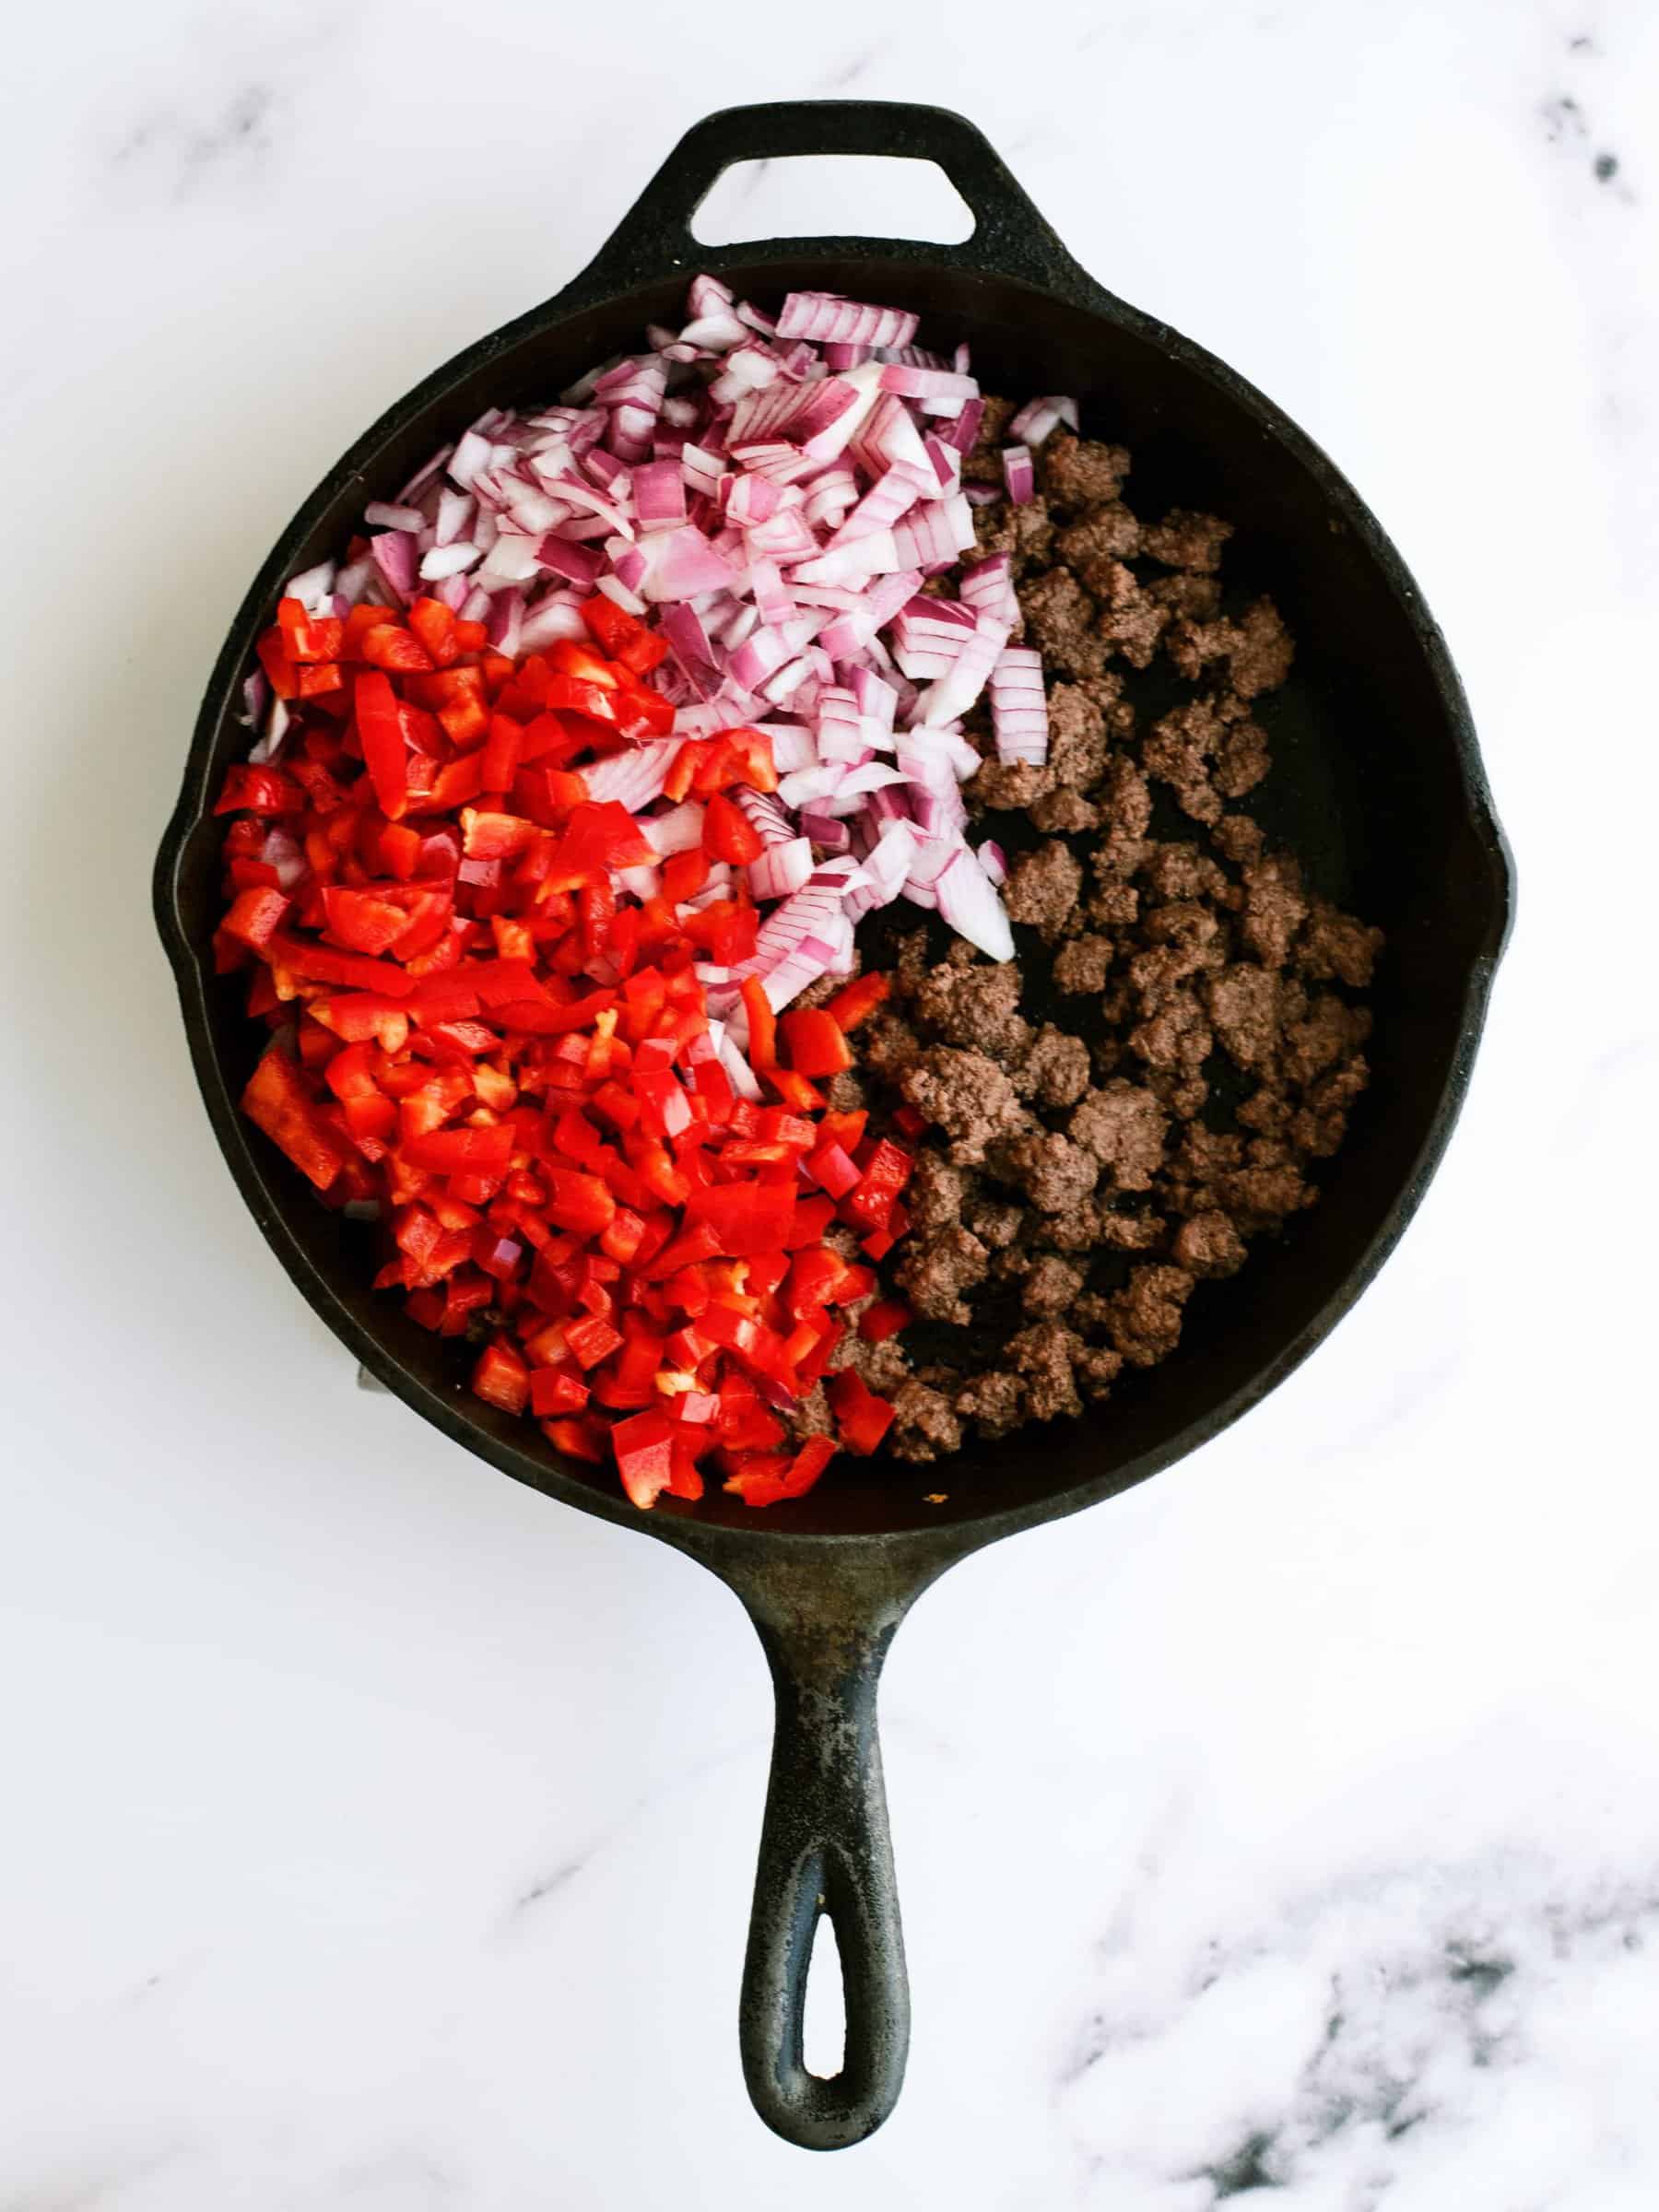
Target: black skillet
(1377, 784)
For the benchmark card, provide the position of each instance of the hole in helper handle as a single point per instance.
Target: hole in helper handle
(1010, 238)
(824, 1848)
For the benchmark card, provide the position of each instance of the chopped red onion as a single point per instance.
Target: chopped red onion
(659, 490)
(394, 552)
(1019, 709)
(961, 432)
(968, 901)
(780, 869)
(826, 831)
(683, 564)
(958, 689)
(765, 813)
(550, 620)
(928, 383)
(769, 498)
(617, 592)
(1019, 475)
(987, 586)
(1038, 418)
(678, 830)
(826, 316)
(444, 561)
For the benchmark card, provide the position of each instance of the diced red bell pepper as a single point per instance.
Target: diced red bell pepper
(591, 1340)
(501, 1377)
(623, 637)
(259, 788)
(884, 1319)
(555, 1391)
(644, 1450)
(380, 733)
(832, 1170)
(860, 1418)
(813, 1042)
(728, 834)
(278, 1101)
(254, 917)
(468, 1152)
(580, 1202)
(856, 1001)
(745, 1217)
(770, 1479)
(885, 1175)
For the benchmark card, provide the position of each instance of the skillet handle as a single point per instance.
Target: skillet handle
(825, 1849)
(1010, 239)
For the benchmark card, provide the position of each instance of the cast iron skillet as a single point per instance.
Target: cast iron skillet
(1377, 784)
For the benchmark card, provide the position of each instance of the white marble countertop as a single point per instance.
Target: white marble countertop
(377, 1837)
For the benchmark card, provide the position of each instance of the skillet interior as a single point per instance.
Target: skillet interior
(1374, 785)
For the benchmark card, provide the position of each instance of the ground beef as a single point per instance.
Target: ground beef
(1079, 747)
(1083, 964)
(1056, 1174)
(1079, 1179)
(1055, 1070)
(1243, 1002)
(1144, 1318)
(1124, 1127)
(1025, 533)
(1180, 871)
(810, 1415)
(1335, 945)
(976, 1005)
(994, 1221)
(1209, 1245)
(1045, 1356)
(1130, 619)
(1106, 533)
(845, 1093)
(1256, 648)
(1051, 1287)
(1273, 908)
(1006, 784)
(967, 1096)
(1081, 472)
(994, 1403)
(1060, 621)
(1044, 888)
(925, 1425)
(883, 1367)
(1184, 540)
(886, 1045)
(1064, 811)
(936, 1192)
(934, 1271)
(1114, 903)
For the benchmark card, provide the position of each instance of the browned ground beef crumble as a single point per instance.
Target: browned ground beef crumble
(1077, 1183)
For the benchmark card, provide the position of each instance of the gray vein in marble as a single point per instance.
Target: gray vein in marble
(860, 65)
(1391, 1999)
(183, 149)
(95, 2189)
(1566, 124)
(559, 1878)
(403, 2181)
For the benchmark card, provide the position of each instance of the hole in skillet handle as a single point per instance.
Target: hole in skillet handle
(875, 193)
(1009, 237)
